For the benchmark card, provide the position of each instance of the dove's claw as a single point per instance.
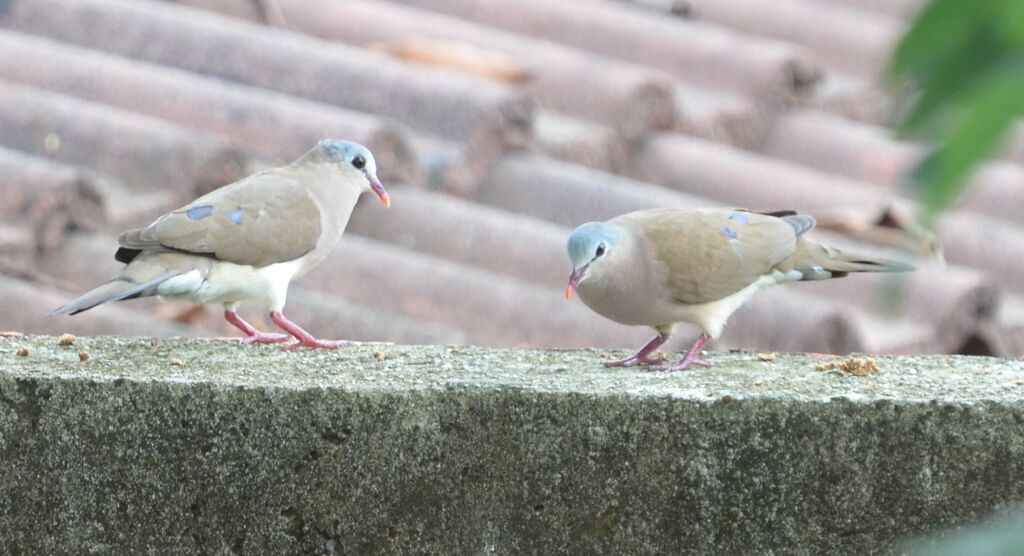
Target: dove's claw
(316, 344)
(692, 357)
(642, 356)
(305, 339)
(265, 338)
(251, 334)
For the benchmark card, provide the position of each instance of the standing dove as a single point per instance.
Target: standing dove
(247, 240)
(663, 266)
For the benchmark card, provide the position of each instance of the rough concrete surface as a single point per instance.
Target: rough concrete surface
(193, 446)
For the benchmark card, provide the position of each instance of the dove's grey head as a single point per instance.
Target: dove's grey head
(590, 245)
(353, 159)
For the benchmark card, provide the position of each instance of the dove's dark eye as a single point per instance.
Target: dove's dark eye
(600, 251)
(359, 162)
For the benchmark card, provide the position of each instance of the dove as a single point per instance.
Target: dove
(246, 241)
(660, 267)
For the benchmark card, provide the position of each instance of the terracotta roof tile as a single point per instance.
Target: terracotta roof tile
(145, 153)
(492, 309)
(953, 301)
(723, 117)
(82, 260)
(793, 319)
(128, 208)
(446, 227)
(570, 194)
(904, 9)
(696, 52)
(263, 123)
(163, 90)
(837, 145)
(46, 197)
(901, 9)
(746, 179)
(854, 98)
(767, 323)
(634, 99)
(447, 165)
(988, 244)
(334, 317)
(872, 155)
(1006, 333)
(440, 103)
(17, 248)
(847, 39)
(583, 142)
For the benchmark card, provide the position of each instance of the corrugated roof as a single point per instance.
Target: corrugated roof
(498, 127)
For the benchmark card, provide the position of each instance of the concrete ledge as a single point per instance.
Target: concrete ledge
(211, 447)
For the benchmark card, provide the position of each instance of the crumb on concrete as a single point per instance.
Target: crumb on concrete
(83, 355)
(177, 362)
(24, 351)
(856, 366)
(766, 356)
(67, 340)
(379, 355)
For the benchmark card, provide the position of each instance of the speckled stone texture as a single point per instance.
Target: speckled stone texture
(192, 446)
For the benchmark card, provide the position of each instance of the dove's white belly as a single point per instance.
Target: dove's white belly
(712, 316)
(650, 308)
(231, 283)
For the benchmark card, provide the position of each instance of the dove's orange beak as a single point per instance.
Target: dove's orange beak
(574, 280)
(379, 189)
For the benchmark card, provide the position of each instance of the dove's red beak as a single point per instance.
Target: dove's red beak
(574, 280)
(379, 189)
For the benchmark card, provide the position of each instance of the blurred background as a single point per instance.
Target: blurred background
(497, 128)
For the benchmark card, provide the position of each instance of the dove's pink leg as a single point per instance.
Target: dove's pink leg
(305, 339)
(692, 356)
(641, 356)
(251, 334)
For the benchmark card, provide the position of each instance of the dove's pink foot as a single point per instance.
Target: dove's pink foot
(642, 356)
(305, 339)
(692, 356)
(251, 334)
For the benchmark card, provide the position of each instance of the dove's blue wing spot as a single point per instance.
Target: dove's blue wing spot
(199, 212)
(236, 215)
(738, 217)
(728, 232)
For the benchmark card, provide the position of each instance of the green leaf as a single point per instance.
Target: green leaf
(988, 112)
(1011, 22)
(967, 58)
(942, 28)
(948, 82)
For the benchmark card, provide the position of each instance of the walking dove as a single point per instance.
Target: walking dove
(247, 240)
(663, 266)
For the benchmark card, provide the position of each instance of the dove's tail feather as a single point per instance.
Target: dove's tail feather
(820, 262)
(119, 288)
